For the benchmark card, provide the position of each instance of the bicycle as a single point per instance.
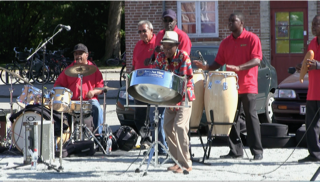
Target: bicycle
(22, 70)
(115, 61)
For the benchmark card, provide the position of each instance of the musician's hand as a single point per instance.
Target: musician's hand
(298, 67)
(312, 64)
(199, 64)
(90, 94)
(148, 61)
(233, 68)
(159, 48)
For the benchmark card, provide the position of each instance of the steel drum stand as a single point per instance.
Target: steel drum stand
(154, 149)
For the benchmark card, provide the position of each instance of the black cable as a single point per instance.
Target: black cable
(130, 165)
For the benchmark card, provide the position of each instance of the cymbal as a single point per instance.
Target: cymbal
(82, 69)
(16, 75)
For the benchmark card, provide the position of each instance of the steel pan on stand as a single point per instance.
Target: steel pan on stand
(156, 86)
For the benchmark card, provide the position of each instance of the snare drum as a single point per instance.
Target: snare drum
(30, 95)
(86, 107)
(61, 99)
(221, 96)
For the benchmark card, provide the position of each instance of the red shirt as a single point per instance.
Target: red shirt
(143, 51)
(185, 43)
(238, 51)
(314, 75)
(73, 83)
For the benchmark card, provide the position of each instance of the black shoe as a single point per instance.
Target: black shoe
(258, 157)
(230, 156)
(309, 158)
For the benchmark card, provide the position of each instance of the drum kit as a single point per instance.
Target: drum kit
(59, 100)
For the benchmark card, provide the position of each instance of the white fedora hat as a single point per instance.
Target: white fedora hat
(170, 37)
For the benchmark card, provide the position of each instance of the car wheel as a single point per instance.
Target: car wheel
(267, 117)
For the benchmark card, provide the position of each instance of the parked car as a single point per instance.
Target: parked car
(289, 106)
(267, 83)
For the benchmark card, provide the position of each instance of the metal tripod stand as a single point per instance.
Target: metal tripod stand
(154, 149)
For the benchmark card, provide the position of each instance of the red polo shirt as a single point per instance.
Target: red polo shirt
(73, 83)
(238, 51)
(185, 43)
(314, 75)
(143, 51)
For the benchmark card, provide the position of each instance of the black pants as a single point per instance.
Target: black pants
(252, 124)
(312, 120)
(140, 120)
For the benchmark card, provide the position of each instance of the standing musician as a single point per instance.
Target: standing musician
(143, 50)
(176, 120)
(241, 52)
(169, 20)
(313, 97)
(80, 53)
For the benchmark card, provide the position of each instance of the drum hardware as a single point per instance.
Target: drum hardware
(10, 89)
(154, 86)
(43, 46)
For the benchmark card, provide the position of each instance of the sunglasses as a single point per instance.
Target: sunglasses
(168, 20)
(144, 31)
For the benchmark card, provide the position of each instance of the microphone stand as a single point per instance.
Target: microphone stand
(40, 158)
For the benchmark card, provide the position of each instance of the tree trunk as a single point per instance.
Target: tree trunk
(113, 47)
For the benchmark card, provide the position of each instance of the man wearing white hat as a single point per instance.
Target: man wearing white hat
(176, 120)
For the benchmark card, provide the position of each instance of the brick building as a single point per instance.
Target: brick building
(284, 27)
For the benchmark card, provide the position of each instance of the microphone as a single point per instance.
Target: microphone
(67, 27)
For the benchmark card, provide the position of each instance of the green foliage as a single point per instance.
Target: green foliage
(27, 23)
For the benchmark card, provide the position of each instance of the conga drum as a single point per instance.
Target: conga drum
(221, 96)
(197, 105)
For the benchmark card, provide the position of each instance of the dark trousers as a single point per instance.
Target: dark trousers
(252, 124)
(140, 120)
(312, 120)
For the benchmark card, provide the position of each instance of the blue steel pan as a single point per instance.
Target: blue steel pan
(154, 86)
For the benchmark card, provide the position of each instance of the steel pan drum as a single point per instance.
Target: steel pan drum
(154, 86)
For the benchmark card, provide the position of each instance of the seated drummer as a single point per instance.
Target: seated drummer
(176, 120)
(95, 80)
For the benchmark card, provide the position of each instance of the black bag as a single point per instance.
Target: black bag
(79, 148)
(126, 138)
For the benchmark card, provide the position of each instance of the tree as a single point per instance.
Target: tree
(112, 44)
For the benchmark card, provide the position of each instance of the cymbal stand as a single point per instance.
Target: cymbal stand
(81, 116)
(154, 149)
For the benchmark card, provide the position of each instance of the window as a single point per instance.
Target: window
(289, 32)
(198, 19)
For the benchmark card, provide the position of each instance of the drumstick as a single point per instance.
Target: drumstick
(305, 67)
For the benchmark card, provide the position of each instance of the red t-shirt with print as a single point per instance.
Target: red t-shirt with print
(238, 51)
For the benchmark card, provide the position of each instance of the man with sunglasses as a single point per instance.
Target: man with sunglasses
(169, 20)
(143, 50)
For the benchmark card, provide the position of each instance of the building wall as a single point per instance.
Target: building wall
(265, 29)
(152, 11)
